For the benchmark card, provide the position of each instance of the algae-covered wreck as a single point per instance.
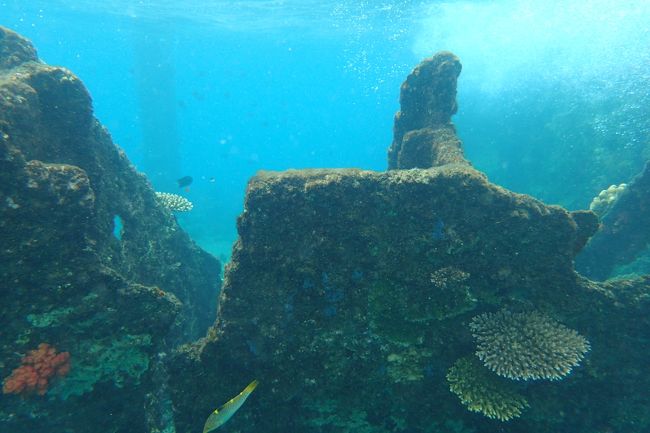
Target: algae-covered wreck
(362, 301)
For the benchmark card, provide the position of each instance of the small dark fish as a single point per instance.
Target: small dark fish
(185, 181)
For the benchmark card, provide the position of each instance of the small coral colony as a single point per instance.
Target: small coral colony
(37, 370)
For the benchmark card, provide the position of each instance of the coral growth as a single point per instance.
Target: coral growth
(606, 198)
(482, 392)
(524, 346)
(453, 293)
(174, 202)
(36, 371)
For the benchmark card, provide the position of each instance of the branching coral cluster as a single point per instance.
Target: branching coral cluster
(525, 346)
(515, 346)
(174, 202)
(36, 370)
(483, 392)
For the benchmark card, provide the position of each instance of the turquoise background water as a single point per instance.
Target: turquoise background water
(554, 97)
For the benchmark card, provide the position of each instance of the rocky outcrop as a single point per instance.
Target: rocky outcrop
(90, 263)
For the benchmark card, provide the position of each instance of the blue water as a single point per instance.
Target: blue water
(554, 96)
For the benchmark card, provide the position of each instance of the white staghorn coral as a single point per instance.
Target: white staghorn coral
(174, 202)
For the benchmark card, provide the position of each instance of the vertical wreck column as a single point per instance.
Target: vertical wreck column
(423, 135)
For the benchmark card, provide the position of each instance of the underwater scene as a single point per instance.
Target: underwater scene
(272, 216)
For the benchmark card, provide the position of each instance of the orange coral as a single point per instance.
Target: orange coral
(36, 370)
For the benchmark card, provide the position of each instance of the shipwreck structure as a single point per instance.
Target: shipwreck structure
(362, 301)
(380, 301)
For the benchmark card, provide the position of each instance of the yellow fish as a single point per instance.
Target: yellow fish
(225, 412)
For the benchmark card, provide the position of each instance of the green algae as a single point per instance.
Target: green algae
(118, 361)
(51, 318)
(407, 364)
(329, 415)
(389, 312)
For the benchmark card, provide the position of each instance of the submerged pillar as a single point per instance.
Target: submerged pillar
(423, 134)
